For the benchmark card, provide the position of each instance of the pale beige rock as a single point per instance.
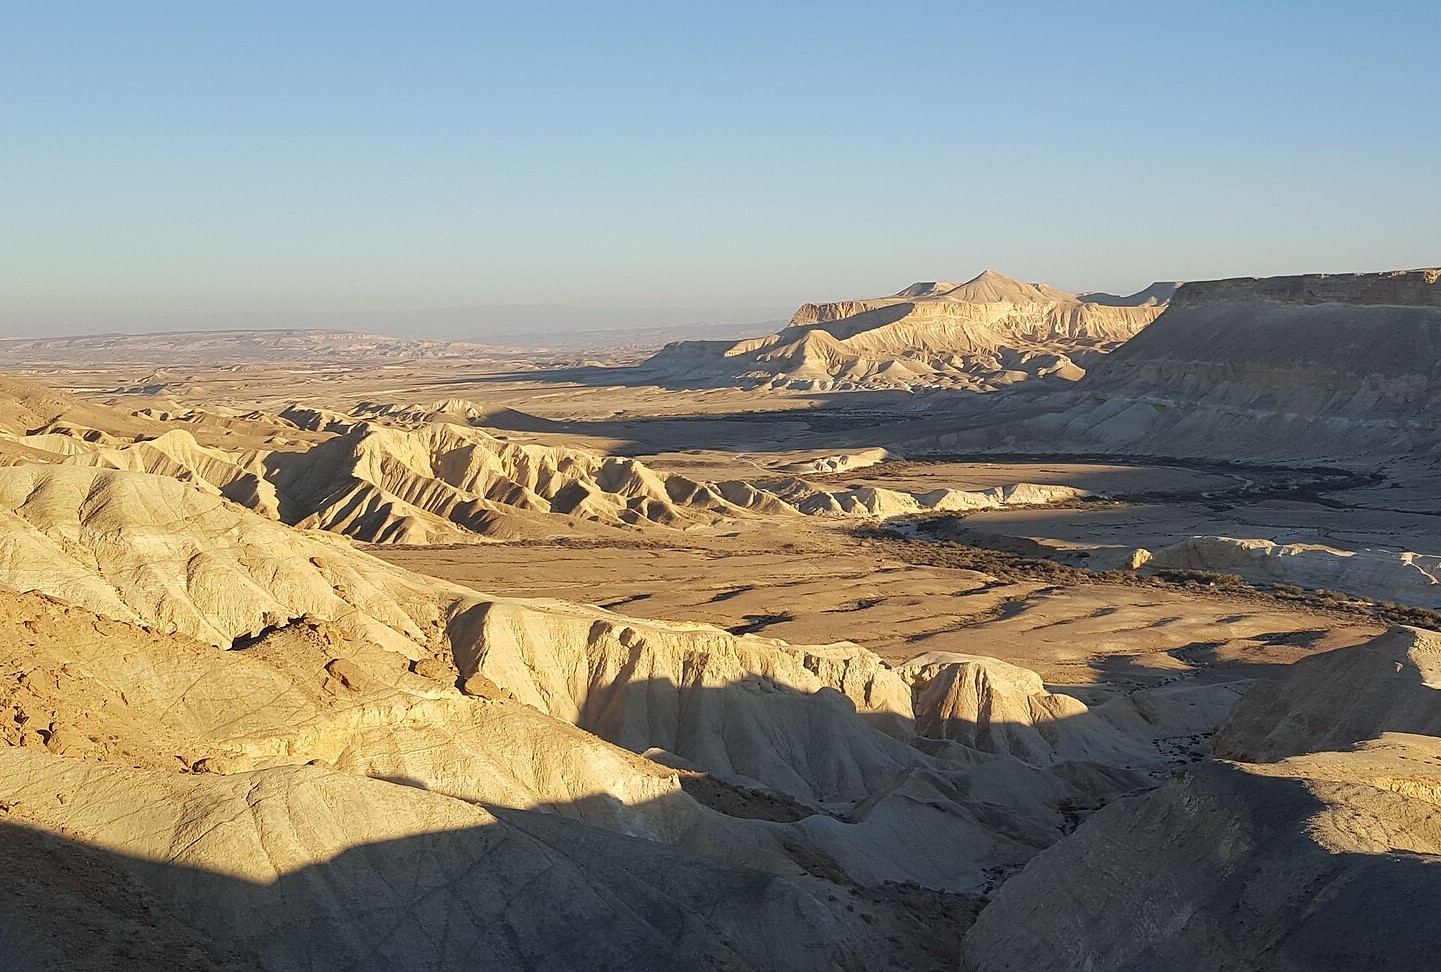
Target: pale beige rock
(28, 408)
(146, 548)
(1335, 367)
(135, 697)
(837, 463)
(829, 725)
(987, 333)
(442, 481)
(352, 682)
(459, 411)
(1412, 578)
(480, 687)
(1001, 708)
(348, 673)
(434, 668)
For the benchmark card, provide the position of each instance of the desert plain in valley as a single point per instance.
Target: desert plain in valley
(978, 626)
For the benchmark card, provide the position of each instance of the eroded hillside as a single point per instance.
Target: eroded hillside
(985, 334)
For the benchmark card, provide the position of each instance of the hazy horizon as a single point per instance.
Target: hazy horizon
(480, 323)
(177, 167)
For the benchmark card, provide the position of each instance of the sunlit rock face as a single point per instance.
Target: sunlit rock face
(424, 475)
(135, 582)
(988, 333)
(1407, 576)
(1339, 367)
(233, 738)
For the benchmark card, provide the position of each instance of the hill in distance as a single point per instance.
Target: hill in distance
(985, 334)
(1335, 367)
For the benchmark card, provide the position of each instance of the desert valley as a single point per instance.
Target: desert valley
(982, 626)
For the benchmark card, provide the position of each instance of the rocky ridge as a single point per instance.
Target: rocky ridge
(982, 335)
(426, 474)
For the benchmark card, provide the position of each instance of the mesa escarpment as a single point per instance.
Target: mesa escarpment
(987, 333)
(1364, 348)
(1343, 367)
(1395, 288)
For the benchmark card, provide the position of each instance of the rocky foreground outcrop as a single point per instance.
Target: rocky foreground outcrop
(305, 867)
(1323, 853)
(1329, 861)
(1336, 700)
(987, 333)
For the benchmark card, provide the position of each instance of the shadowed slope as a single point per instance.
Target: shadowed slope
(1327, 859)
(1333, 701)
(306, 868)
(1324, 862)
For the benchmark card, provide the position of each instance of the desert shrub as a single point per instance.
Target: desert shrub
(1181, 575)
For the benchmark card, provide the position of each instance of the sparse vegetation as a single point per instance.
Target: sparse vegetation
(1208, 578)
(1254, 482)
(937, 551)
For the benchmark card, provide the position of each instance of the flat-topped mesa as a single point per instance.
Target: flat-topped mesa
(1323, 332)
(1395, 288)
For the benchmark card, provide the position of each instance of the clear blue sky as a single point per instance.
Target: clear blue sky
(281, 162)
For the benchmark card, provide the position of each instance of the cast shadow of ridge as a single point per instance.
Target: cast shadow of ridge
(530, 890)
(1220, 868)
(299, 867)
(522, 890)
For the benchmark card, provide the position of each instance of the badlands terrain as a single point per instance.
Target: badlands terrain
(984, 626)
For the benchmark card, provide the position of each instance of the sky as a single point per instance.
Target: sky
(419, 165)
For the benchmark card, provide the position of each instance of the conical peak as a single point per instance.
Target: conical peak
(988, 285)
(992, 286)
(994, 277)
